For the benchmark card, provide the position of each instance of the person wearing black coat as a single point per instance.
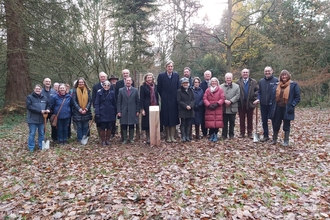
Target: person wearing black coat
(102, 77)
(148, 97)
(186, 104)
(199, 105)
(81, 107)
(168, 84)
(105, 111)
(37, 104)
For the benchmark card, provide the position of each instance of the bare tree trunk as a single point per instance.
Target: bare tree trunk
(18, 79)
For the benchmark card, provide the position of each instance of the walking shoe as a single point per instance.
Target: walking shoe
(264, 139)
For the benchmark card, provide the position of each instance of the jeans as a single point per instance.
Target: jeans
(264, 109)
(62, 129)
(32, 133)
(82, 128)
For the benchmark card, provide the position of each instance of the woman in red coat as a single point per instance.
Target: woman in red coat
(214, 98)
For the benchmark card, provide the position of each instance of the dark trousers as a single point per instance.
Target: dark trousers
(54, 133)
(185, 127)
(204, 130)
(228, 119)
(278, 118)
(113, 128)
(264, 109)
(247, 114)
(214, 131)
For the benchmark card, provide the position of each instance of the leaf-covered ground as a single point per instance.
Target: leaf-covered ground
(234, 179)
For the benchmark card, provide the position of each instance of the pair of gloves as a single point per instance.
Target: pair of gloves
(213, 106)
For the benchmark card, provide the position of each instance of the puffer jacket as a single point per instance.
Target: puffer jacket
(214, 117)
(35, 104)
(56, 104)
(77, 116)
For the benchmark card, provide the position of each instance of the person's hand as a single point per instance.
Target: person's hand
(119, 114)
(143, 113)
(227, 102)
(137, 114)
(211, 106)
(188, 107)
(256, 102)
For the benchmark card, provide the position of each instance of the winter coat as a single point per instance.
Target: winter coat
(185, 98)
(56, 103)
(35, 104)
(199, 106)
(48, 94)
(120, 84)
(105, 106)
(167, 89)
(252, 94)
(77, 116)
(213, 117)
(95, 90)
(294, 99)
(128, 106)
(232, 94)
(145, 103)
(265, 89)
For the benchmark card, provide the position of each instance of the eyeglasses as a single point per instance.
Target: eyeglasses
(106, 85)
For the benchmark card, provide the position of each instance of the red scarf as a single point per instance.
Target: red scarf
(153, 100)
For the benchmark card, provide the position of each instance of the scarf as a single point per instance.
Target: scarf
(82, 96)
(282, 91)
(212, 89)
(153, 100)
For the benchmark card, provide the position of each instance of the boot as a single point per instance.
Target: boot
(124, 136)
(197, 132)
(183, 133)
(99, 135)
(172, 134)
(286, 139)
(131, 135)
(107, 136)
(167, 134)
(148, 136)
(188, 133)
(275, 135)
(102, 135)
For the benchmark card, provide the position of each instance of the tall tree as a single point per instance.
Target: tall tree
(18, 75)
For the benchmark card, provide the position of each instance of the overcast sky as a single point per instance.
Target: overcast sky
(213, 9)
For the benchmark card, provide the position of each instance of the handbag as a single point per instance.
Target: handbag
(53, 117)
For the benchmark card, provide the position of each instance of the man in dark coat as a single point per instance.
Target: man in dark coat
(113, 80)
(204, 85)
(186, 104)
(97, 87)
(128, 107)
(247, 102)
(266, 85)
(168, 84)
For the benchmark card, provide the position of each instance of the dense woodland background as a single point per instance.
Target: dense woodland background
(66, 39)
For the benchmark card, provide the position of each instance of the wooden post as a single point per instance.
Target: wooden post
(154, 126)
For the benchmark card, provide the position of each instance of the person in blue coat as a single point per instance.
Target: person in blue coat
(64, 113)
(37, 104)
(105, 111)
(199, 105)
(168, 84)
(284, 98)
(266, 85)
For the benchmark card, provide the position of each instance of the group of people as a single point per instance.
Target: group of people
(207, 104)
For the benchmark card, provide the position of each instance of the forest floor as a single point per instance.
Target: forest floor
(232, 179)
